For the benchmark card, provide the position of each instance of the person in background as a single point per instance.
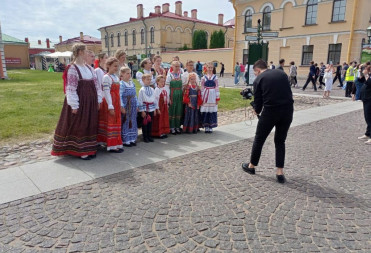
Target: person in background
(146, 68)
(272, 65)
(237, 71)
(199, 69)
(321, 74)
(100, 71)
(282, 64)
(343, 72)
(221, 70)
(293, 73)
(349, 78)
(176, 58)
(273, 99)
(317, 72)
(188, 70)
(328, 75)
(242, 71)
(311, 77)
(157, 60)
(359, 81)
(366, 99)
(121, 56)
(338, 75)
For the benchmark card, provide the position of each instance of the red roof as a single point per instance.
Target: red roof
(230, 22)
(87, 39)
(165, 15)
(39, 50)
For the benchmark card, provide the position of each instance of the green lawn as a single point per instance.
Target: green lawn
(31, 101)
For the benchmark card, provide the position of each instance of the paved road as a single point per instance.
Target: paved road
(204, 202)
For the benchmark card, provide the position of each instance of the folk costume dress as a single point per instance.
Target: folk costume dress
(109, 131)
(147, 103)
(129, 101)
(76, 134)
(175, 81)
(192, 101)
(210, 96)
(160, 126)
(100, 72)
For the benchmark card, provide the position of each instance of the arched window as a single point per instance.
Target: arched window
(267, 18)
(112, 43)
(134, 37)
(338, 10)
(106, 41)
(126, 38)
(311, 17)
(152, 33)
(142, 36)
(248, 19)
(118, 39)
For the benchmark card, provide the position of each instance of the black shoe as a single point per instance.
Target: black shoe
(281, 179)
(162, 136)
(194, 131)
(146, 140)
(165, 136)
(120, 150)
(150, 139)
(127, 145)
(92, 156)
(178, 131)
(173, 132)
(85, 158)
(303, 89)
(245, 167)
(133, 144)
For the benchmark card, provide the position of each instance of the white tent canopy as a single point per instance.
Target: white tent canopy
(59, 54)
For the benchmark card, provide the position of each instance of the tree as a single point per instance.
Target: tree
(199, 40)
(217, 39)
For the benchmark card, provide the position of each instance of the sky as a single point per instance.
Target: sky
(41, 19)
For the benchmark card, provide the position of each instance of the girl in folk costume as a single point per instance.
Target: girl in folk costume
(109, 131)
(129, 129)
(190, 69)
(174, 82)
(148, 107)
(210, 99)
(121, 56)
(146, 68)
(76, 132)
(100, 71)
(160, 126)
(157, 60)
(192, 100)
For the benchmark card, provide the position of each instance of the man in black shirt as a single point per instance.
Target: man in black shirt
(311, 76)
(271, 91)
(338, 75)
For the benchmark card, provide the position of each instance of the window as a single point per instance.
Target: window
(134, 37)
(152, 32)
(248, 19)
(311, 17)
(112, 43)
(334, 52)
(106, 41)
(118, 40)
(142, 36)
(338, 11)
(307, 55)
(267, 18)
(126, 38)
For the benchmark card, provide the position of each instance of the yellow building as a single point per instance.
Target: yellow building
(161, 31)
(92, 43)
(319, 30)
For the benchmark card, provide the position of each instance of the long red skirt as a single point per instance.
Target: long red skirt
(160, 124)
(109, 126)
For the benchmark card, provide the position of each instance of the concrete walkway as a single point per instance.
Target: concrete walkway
(28, 180)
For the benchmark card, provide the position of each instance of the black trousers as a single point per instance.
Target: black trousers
(147, 129)
(310, 79)
(221, 74)
(321, 81)
(349, 88)
(279, 117)
(367, 112)
(338, 76)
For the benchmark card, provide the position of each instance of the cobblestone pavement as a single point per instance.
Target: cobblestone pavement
(206, 203)
(39, 150)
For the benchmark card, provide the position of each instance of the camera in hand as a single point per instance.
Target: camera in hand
(246, 93)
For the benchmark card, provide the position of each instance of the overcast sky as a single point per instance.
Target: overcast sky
(41, 19)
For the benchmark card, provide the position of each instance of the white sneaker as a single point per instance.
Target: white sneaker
(364, 138)
(368, 142)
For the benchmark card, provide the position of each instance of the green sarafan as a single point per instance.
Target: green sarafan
(31, 102)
